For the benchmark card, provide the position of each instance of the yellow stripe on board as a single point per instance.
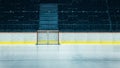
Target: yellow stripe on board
(91, 42)
(63, 42)
(21, 42)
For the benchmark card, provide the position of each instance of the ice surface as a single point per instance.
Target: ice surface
(59, 56)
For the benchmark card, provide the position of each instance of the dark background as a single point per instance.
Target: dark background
(73, 15)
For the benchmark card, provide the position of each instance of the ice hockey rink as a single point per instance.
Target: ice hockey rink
(59, 33)
(59, 56)
(92, 50)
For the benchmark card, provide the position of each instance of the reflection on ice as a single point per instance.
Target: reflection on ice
(62, 56)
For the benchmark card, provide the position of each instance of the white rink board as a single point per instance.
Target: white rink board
(18, 37)
(89, 36)
(85, 37)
